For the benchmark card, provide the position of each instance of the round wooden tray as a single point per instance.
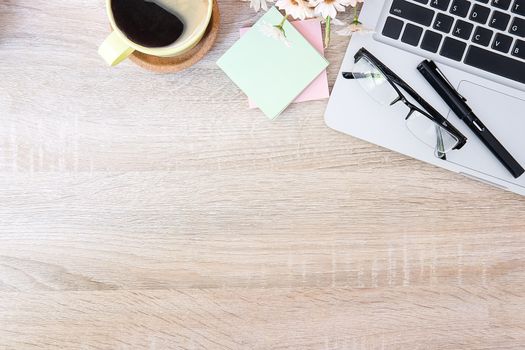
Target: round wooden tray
(187, 59)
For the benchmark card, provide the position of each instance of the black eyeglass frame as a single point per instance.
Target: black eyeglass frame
(394, 80)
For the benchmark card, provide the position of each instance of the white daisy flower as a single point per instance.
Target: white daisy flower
(258, 4)
(298, 9)
(329, 8)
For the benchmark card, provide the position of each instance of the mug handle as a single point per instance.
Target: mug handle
(114, 50)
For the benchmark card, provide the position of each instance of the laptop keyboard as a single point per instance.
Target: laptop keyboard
(485, 34)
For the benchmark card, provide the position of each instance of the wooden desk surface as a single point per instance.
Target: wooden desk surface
(144, 211)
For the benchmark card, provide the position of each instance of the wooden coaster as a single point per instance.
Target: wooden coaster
(187, 59)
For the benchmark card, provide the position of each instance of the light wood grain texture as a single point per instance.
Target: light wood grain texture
(147, 211)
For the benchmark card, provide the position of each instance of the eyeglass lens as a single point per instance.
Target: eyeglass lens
(430, 133)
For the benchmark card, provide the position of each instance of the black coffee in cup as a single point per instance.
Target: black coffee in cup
(146, 23)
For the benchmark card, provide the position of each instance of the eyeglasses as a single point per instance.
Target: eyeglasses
(425, 123)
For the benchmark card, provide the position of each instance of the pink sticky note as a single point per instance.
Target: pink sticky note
(311, 31)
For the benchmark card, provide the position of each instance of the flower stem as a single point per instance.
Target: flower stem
(282, 22)
(327, 31)
(280, 26)
(356, 17)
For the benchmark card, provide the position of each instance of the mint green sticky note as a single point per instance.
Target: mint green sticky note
(271, 69)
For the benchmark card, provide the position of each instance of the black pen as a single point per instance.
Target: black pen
(458, 104)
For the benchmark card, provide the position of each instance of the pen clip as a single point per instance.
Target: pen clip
(448, 82)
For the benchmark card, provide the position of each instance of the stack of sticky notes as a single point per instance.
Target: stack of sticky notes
(274, 69)
(310, 29)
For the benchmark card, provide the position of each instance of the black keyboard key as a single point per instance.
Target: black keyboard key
(496, 63)
(501, 4)
(502, 43)
(479, 14)
(431, 41)
(440, 4)
(424, 2)
(443, 23)
(518, 27)
(412, 12)
(463, 29)
(518, 7)
(499, 20)
(519, 49)
(460, 8)
(412, 34)
(482, 36)
(453, 49)
(392, 28)
(483, 1)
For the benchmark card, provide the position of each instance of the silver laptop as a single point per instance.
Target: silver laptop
(479, 45)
